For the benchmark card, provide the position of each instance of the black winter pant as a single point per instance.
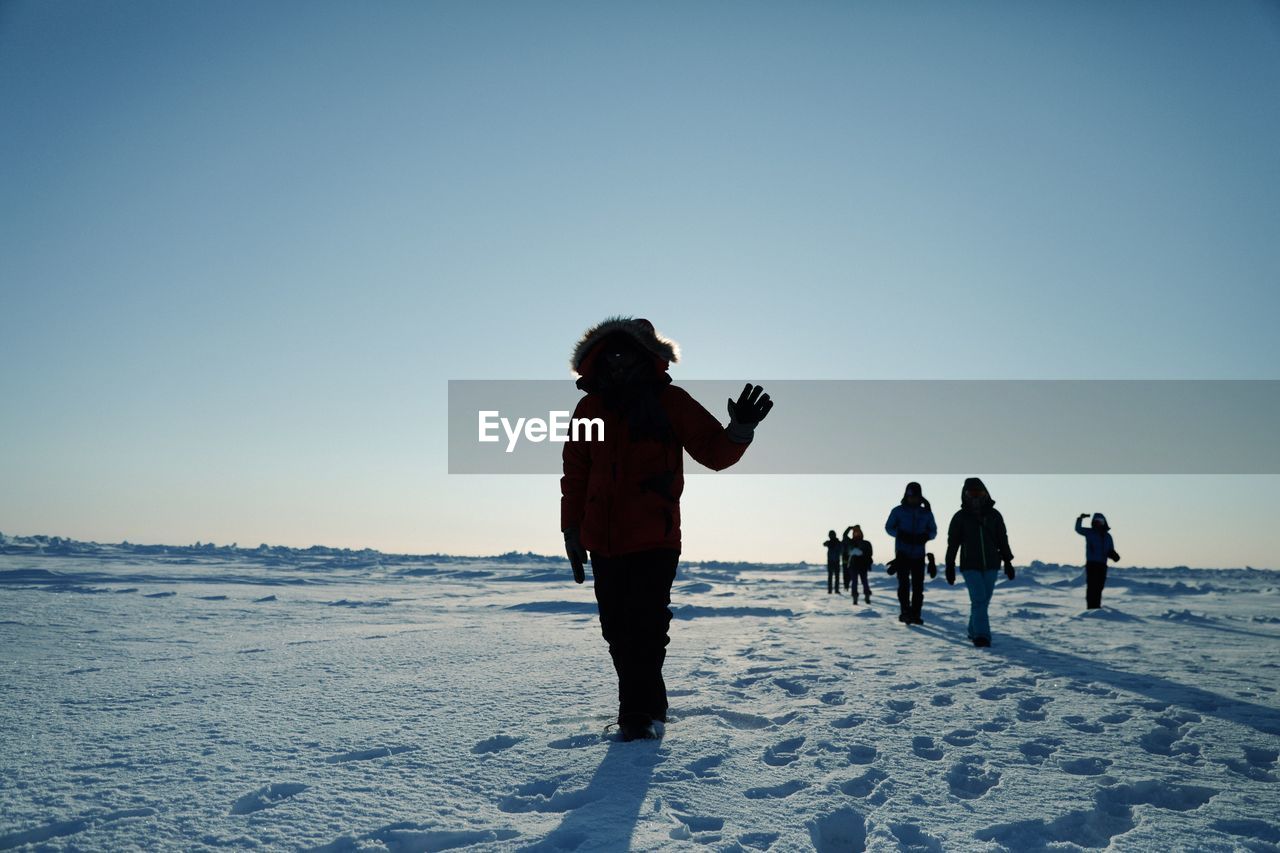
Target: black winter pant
(1096, 578)
(633, 592)
(833, 578)
(910, 583)
(845, 571)
(859, 573)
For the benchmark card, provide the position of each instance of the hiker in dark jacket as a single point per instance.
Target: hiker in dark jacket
(620, 496)
(834, 550)
(977, 531)
(860, 553)
(846, 545)
(911, 525)
(1098, 548)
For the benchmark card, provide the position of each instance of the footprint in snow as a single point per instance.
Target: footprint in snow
(1080, 724)
(758, 840)
(793, 686)
(970, 778)
(266, 797)
(1160, 793)
(545, 796)
(574, 742)
(1086, 766)
(961, 737)
(862, 786)
(912, 839)
(848, 722)
(705, 768)
(497, 743)
(898, 710)
(1030, 709)
(368, 754)
(1036, 751)
(925, 747)
(775, 792)
(833, 698)
(942, 700)
(998, 692)
(1170, 736)
(861, 754)
(783, 752)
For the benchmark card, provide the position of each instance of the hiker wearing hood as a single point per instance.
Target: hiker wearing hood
(911, 525)
(620, 495)
(859, 553)
(835, 549)
(978, 533)
(1098, 548)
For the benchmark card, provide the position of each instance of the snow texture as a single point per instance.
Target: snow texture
(200, 698)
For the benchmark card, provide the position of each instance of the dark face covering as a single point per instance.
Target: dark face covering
(975, 500)
(627, 379)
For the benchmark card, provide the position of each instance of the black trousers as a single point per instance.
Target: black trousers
(633, 593)
(1096, 578)
(910, 583)
(845, 572)
(859, 573)
(833, 577)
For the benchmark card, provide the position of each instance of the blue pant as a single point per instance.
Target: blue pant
(980, 585)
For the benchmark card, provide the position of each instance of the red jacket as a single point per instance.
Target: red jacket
(624, 495)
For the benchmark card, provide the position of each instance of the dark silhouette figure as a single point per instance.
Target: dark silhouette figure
(911, 525)
(620, 496)
(977, 531)
(859, 552)
(846, 542)
(1098, 548)
(834, 550)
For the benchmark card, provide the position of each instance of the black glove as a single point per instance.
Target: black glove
(1114, 557)
(890, 567)
(750, 409)
(577, 554)
(1008, 569)
(951, 575)
(933, 566)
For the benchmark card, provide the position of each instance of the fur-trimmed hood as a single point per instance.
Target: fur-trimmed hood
(664, 350)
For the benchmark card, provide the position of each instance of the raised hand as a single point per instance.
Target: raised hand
(752, 407)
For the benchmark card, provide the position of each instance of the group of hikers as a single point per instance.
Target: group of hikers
(976, 534)
(620, 509)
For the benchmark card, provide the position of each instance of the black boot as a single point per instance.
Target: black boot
(636, 727)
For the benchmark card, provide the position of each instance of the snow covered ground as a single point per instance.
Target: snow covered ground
(200, 698)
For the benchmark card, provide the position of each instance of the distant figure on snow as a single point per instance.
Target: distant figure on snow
(977, 531)
(1098, 548)
(620, 496)
(911, 525)
(860, 552)
(846, 545)
(834, 550)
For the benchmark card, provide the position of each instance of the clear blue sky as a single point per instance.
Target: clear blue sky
(244, 245)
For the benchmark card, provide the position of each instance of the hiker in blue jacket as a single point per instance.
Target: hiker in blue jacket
(1098, 548)
(911, 525)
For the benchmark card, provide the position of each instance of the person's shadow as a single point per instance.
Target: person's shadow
(610, 804)
(1037, 657)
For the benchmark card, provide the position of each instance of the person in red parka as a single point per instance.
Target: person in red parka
(620, 496)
